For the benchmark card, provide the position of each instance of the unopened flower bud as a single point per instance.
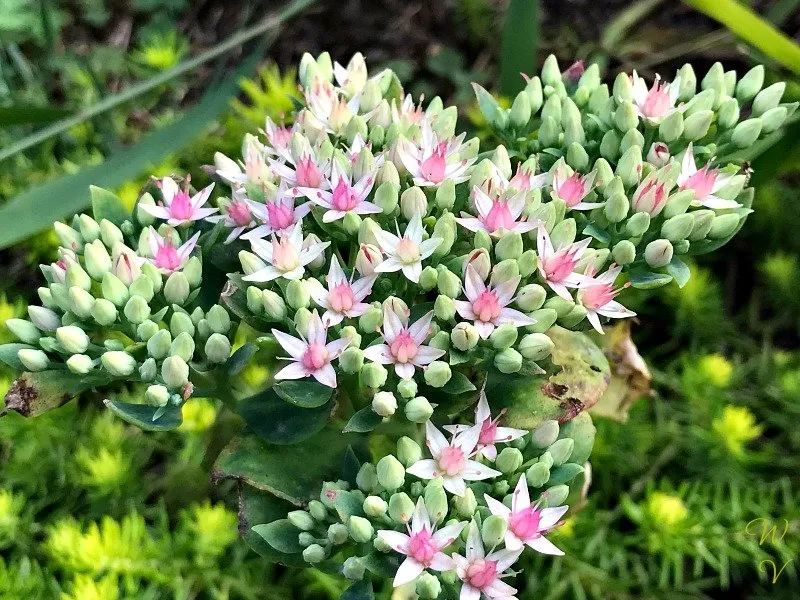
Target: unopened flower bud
(24, 330)
(183, 346)
(629, 166)
(531, 297)
(175, 372)
(193, 270)
(444, 308)
(723, 226)
(750, 84)
(142, 287)
(688, 85)
(508, 361)
(350, 223)
(352, 360)
(73, 339)
(387, 173)
(367, 477)
(658, 253)
(493, 530)
(703, 220)
(746, 132)
(77, 277)
(400, 508)
(360, 529)
(509, 460)
(33, 360)
(337, 534)
(273, 304)
(504, 271)
(110, 233)
(408, 451)
(418, 410)
(118, 363)
(444, 230)
(98, 260)
(317, 510)
(446, 194)
(136, 310)
(374, 375)
(148, 370)
(44, 318)
(671, 128)
(438, 374)
(89, 228)
(351, 333)
(557, 494)
(609, 145)
(413, 202)
(503, 336)
(368, 232)
(371, 320)
(658, 154)
(367, 259)
(428, 585)
(314, 554)
(502, 161)
(145, 218)
(67, 236)
(464, 336)
(375, 506)
(397, 306)
(391, 473)
(561, 450)
(624, 252)
(384, 404)
(537, 475)
(637, 224)
(354, 569)
(298, 294)
(536, 346)
(301, 519)
(696, 125)
(466, 505)
(176, 289)
(678, 227)
(218, 348)
(509, 246)
(114, 290)
(250, 262)
(625, 117)
(80, 364)
(768, 98)
(436, 500)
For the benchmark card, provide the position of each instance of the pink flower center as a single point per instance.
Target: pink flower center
(279, 215)
(486, 306)
(657, 103)
(572, 190)
(307, 173)
(525, 523)
(344, 197)
(701, 182)
(499, 217)
(521, 180)
(181, 206)
(315, 357)
(284, 255)
(452, 460)
(341, 297)
(650, 197)
(239, 213)
(166, 258)
(481, 573)
(488, 432)
(434, 167)
(559, 266)
(403, 347)
(597, 296)
(422, 547)
(280, 138)
(407, 251)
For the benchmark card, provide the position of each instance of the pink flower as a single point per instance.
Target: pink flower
(278, 136)
(658, 154)
(311, 356)
(481, 574)
(285, 255)
(651, 196)
(422, 546)
(573, 188)
(344, 196)
(178, 207)
(277, 216)
(407, 113)
(404, 344)
(239, 215)
(306, 171)
(490, 432)
(432, 160)
(557, 267)
(452, 461)
(527, 523)
(525, 181)
(405, 253)
(704, 182)
(166, 257)
(598, 298)
(657, 103)
(497, 216)
(488, 306)
(343, 298)
(326, 109)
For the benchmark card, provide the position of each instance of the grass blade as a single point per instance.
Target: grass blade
(519, 45)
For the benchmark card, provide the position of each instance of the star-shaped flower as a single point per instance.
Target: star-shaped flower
(166, 257)
(179, 208)
(705, 183)
(490, 433)
(343, 298)
(481, 574)
(497, 216)
(406, 253)
(285, 256)
(557, 267)
(598, 296)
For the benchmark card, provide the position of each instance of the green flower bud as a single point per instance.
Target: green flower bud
(728, 114)
(428, 585)
(46, 296)
(181, 323)
(25, 331)
(351, 360)
(183, 346)
(437, 374)
(768, 98)
(137, 310)
(616, 207)
(536, 346)
(218, 348)
(561, 450)
(493, 530)
(633, 137)
(356, 126)
(574, 317)
(219, 319)
(114, 290)
(110, 233)
(533, 89)
(374, 375)
(148, 370)
(145, 218)
(671, 128)
(367, 477)
(537, 475)
(750, 84)
(678, 203)
(609, 145)
(375, 506)
(637, 224)
(629, 166)
(254, 304)
(444, 308)
(102, 311)
(89, 228)
(142, 287)
(98, 261)
(317, 510)
(360, 529)
(466, 505)
(33, 360)
(696, 125)
(658, 253)
(502, 161)
(508, 361)
(626, 118)
(557, 494)
(446, 195)
(391, 473)
(413, 202)
(436, 500)
(528, 263)
(371, 320)
(703, 220)
(301, 519)
(154, 275)
(314, 554)
(688, 82)
(337, 534)
(384, 404)
(509, 460)
(305, 539)
(350, 223)
(298, 294)
(482, 241)
(703, 101)
(723, 226)
(504, 336)
(157, 395)
(407, 388)
(552, 109)
(273, 304)
(112, 344)
(400, 508)
(44, 318)
(520, 111)
(448, 283)
(118, 363)
(546, 434)
(77, 277)
(175, 372)
(193, 270)
(624, 252)
(563, 234)
(773, 119)
(67, 236)
(250, 262)
(464, 336)
(504, 270)
(561, 305)
(545, 319)
(677, 228)
(746, 132)
(509, 246)
(480, 261)
(354, 569)
(623, 88)
(549, 132)
(418, 410)
(80, 364)
(177, 290)
(387, 173)
(445, 230)
(367, 232)
(73, 339)
(428, 278)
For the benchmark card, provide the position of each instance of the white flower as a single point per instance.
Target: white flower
(277, 216)
(452, 461)
(432, 160)
(557, 267)
(705, 183)
(311, 356)
(166, 257)
(490, 432)
(343, 298)
(497, 216)
(598, 298)
(406, 253)
(481, 574)
(573, 188)
(178, 207)
(657, 103)
(239, 215)
(422, 546)
(344, 196)
(527, 523)
(285, 256)
(404, 344)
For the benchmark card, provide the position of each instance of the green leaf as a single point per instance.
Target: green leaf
(23, 115)
(107, 205)
(347, 504)
(646, 280)
(8, 355)
(351, 464)
(279, 422)
(293, 473)
(35, 393)
(564, 474)
(363, 421)
(601, 235)
(458, 384)
(679, 270)
(383, 565)
(144, 416)
(257, 507)
(360, 590)
(706, 246)
(281, 535)
(305, 393)
(519, 45)
(239, 359)
(487, 103)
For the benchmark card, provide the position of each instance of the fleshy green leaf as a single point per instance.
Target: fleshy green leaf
(647, 280)
(350, 466)
(277, 421)
(281, 535)
(305, 393)
(363, 421)
(360, 590)
(679, 270)
(35, 393)
(348, 504)
(458, 384)
(8, 355)
(487, 103)
(564, 473)
(107, 205)
(597, 233)
(147, 417)
(240, 358)
(256, 508)
(383, 565)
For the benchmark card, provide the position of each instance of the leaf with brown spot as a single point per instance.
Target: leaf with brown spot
(35, 393)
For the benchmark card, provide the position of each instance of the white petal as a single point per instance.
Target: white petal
(550, 516)
(379, 353)
(408, 572)
(424, 469)
(497, 507)
(521, 498)
(441, 562)
(545, 546)
(427, 354)
(293, 370)
(396, 540)
(420, 328)
(434, 439)
(469, 593)
(413, 271)
(326, 375)
(454, 485)
(447, 535)
(473, 284)
(475, 471)
(404, 370)
(508, 434)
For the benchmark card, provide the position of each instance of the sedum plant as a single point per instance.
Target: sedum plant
(402, 284)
